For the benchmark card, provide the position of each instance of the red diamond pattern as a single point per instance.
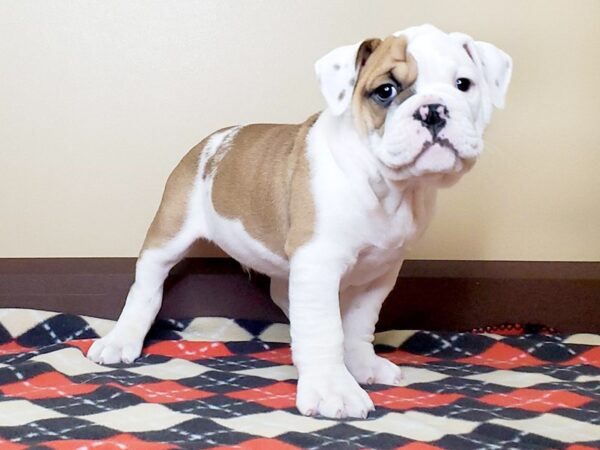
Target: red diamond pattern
(120, 441)
(279, 356)
(164, 392)
(419, 446)
(402, 398)
(590, 357)
(580, 447)
(46, 385)
(7, 445)
(240, 400)
(502, 356)
(401, 357)
(11, 348)
(190, 350)
(279, 395)
(536, 399)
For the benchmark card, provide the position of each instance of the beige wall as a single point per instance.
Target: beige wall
(99, 100)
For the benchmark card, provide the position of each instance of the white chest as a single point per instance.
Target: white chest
(379, 236)
(382, 245)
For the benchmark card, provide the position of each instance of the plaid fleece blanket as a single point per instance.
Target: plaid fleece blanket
(219, 383)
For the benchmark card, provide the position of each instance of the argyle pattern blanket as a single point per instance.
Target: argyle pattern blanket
(219, 383)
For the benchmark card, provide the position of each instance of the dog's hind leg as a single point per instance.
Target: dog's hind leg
(177, 224)
(279, 294)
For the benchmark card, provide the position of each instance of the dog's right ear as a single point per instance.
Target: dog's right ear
(495, 65)
(338, 70)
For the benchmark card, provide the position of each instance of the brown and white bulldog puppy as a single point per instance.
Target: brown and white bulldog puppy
(327, 208)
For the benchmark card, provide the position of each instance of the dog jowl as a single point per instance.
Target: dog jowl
(327, 208)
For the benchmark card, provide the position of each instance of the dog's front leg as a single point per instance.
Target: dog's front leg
(360, 311)
(325, 386)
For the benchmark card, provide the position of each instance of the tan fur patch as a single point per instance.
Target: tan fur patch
(264, 181)
(172, 209)
(301, 206)
(171, 213)
(379, 63)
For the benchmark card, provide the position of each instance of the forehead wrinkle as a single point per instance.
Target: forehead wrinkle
(379, 80)
(405, 73)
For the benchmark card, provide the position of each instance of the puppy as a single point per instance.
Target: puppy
(327, 207)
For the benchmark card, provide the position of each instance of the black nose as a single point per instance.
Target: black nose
(433, 117)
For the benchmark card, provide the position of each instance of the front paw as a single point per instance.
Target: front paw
(120, 345)
(368, 368)
(332, 393)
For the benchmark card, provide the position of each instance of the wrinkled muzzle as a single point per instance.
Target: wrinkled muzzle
(429, 133)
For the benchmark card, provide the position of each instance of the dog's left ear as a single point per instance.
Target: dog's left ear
(338, 70)
(495, 65)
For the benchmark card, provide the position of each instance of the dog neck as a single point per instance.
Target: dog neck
(352, 154)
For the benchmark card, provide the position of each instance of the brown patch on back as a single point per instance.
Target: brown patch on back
(171, 213)
(380, 64)
(264, 181)
(301, 206)
(172, 210)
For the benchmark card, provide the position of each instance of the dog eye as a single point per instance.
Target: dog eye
(384, 94)
(463, 84)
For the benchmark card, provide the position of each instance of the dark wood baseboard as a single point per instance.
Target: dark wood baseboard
(448, 295)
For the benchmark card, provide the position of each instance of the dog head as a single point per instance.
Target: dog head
(420, 99)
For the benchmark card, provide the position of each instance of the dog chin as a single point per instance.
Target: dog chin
(439, 157)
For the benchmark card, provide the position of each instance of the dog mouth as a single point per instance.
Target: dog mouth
(442, 144)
